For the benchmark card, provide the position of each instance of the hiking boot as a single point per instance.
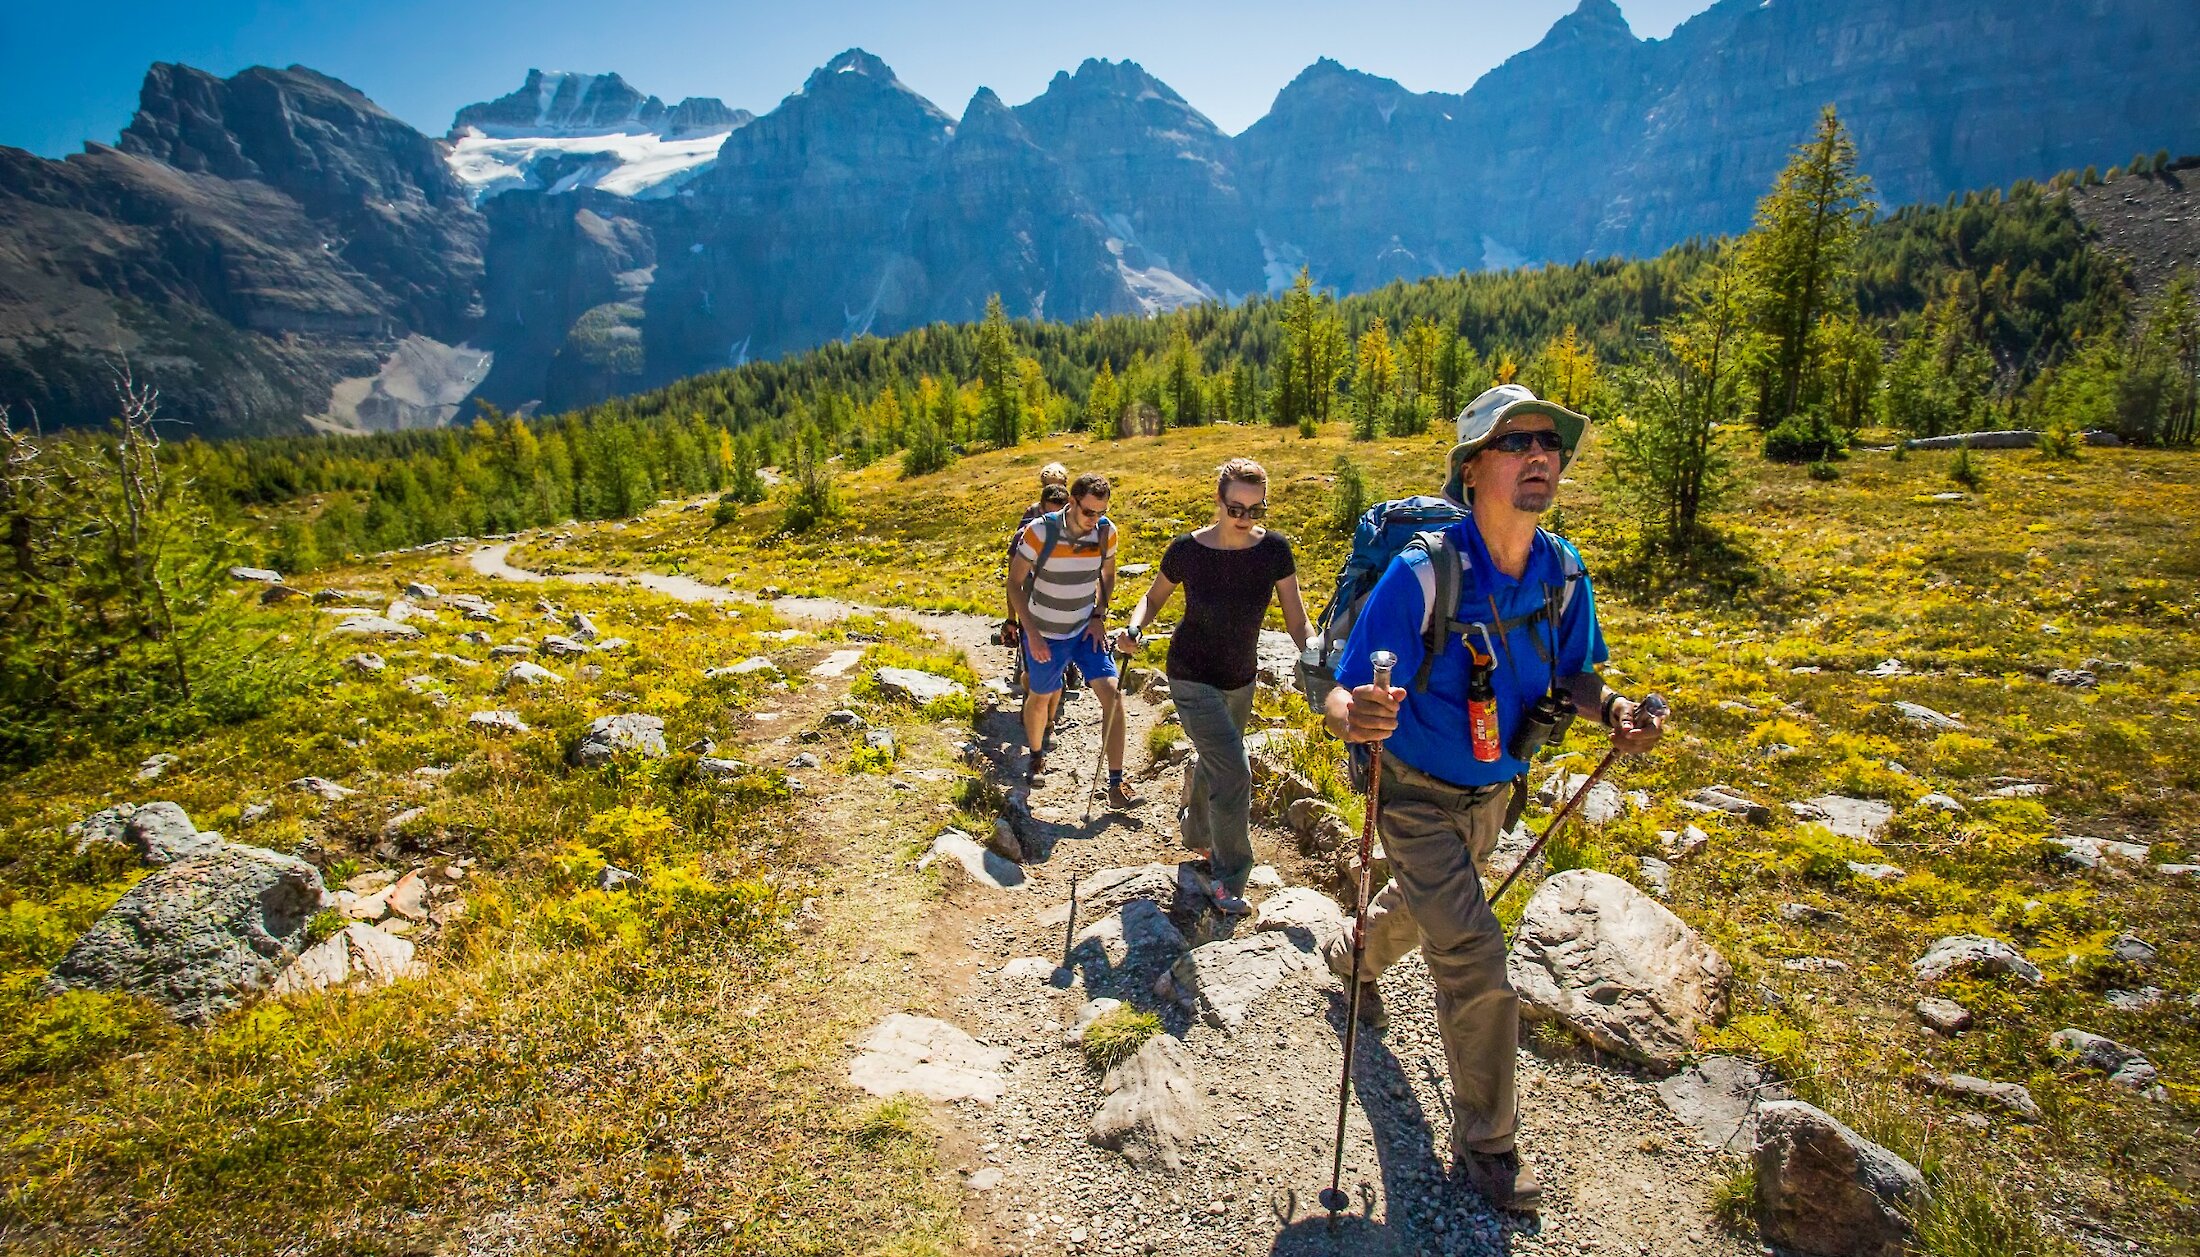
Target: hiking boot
(1037, 767)
(1230, 905)
(1372, 1013)
(1120, 796)
(1503, 1179)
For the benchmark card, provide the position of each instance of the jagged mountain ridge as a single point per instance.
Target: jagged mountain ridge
(275, 245)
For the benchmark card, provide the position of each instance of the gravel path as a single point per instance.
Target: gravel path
(1621, 1174)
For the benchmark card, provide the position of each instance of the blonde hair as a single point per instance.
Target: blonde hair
(1054, 473)
(1240, 471)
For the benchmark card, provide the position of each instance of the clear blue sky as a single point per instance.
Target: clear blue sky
(70, 69)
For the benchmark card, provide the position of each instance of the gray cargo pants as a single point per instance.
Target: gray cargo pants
(1437, 838)
(1218, 796)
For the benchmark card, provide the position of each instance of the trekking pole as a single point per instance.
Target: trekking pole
(1654, 705)
(1333, 1198)
(1100, 760)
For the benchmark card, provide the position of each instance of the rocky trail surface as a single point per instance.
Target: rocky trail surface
(1216, 1137)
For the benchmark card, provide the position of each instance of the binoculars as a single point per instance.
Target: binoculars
(1545, 724)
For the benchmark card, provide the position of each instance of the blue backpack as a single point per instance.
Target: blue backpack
(1384, 531)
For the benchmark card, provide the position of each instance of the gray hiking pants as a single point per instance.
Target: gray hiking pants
(1437, 839)
(1218, 798)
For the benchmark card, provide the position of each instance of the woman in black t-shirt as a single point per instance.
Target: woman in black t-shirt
(1229, 570)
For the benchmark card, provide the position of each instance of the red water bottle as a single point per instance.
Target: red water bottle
(1482, 710)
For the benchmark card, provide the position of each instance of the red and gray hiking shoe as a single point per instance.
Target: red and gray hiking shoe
(1120, 796)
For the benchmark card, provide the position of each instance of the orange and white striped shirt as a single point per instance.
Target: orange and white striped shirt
(1068, 587)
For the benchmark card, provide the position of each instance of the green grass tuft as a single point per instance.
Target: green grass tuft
(1115, 1036)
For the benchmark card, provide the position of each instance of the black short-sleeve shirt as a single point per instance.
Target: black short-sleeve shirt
(1226, 594)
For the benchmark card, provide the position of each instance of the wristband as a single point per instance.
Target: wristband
(1604, 712)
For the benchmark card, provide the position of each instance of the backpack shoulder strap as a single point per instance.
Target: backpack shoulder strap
(1051, 523)
(1571, 570)
(1439, 578)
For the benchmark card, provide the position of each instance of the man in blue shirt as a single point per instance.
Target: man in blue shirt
(1526, 608)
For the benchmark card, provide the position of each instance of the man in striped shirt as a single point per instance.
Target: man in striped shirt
(1059, 582)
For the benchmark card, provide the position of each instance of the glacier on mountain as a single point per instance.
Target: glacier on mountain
(645, 166)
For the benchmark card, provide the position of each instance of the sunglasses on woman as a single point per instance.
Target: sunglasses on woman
(1520, 442)
(1258, 510)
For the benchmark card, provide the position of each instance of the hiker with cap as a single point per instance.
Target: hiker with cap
(1060, 580)
(1516, 650)
(1230, 570)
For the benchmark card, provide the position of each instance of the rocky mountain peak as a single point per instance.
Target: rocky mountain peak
(1329, 84)
(986, 115)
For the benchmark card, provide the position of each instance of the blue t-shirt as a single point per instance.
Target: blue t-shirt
(1432, 733)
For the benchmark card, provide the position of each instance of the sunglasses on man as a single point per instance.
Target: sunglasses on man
(1258, 510)
(1520, 442)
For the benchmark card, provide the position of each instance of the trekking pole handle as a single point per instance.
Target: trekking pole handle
(1382, 661)
(1653, 704)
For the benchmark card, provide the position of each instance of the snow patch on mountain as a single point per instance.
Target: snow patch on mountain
(1280, 263)
(644, 166)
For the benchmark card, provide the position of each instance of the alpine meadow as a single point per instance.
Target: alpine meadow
(611, 827)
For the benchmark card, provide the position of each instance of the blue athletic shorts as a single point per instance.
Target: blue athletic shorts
(1092, 661)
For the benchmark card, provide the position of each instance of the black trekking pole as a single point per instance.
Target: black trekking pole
(1333, 1198)
(1654, 705)
(1100, 760)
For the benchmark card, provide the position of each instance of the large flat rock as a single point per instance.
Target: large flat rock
(1616, 967)
(1152, 1113)
(928, 1057)
(201, 935)
(1224, 980)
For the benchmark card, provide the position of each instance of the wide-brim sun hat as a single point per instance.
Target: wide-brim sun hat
(1478, 423)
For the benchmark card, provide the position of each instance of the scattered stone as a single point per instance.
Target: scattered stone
(716, 769)
(2092, 853)
(1862, 819)
(980, 865)
(1824, 1189)
(1886, 668)
(1310, 919)
(2021, 790)
(2129, 948)
(153, 767)
(2010, 1097)
(323, 789)
(404, 612)
(1105, 891)
(528, 673)
(408, 898)
(911, 686)
(414, 589)
(1944, 1016)
(843, 718)
(357, 952)
(1719, 799)
(1809, 914)
(1814, 964)
(611, 877)
(259, 574)
(1264, 877)
(837, 663)
(1938, 802)
(162, 833)
(802, 761)
(511, 650)
(1973, 951)
(252, 813)
(2125, 1066)
(1683, 843)
(1616, 967)
(1875, 872)
(1718, 1097)
(583, 628)
(747, 667)
(1136, 936)
(1603, 804)
(1152, 1112)
(200, 935)
(2178, 870)
(1223, 980)
(1003, 842)
(1926, 718)
(497, 722)
(984, 1180)
(365, 663)
(929, 1057)
(1092, 1011)
(104, 826)
(606, 737)
(377, 626)
(879, 740)
(1029, 969)
(562, 647)
(2075, 678)
(1657, 877)
(2135, 1001)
